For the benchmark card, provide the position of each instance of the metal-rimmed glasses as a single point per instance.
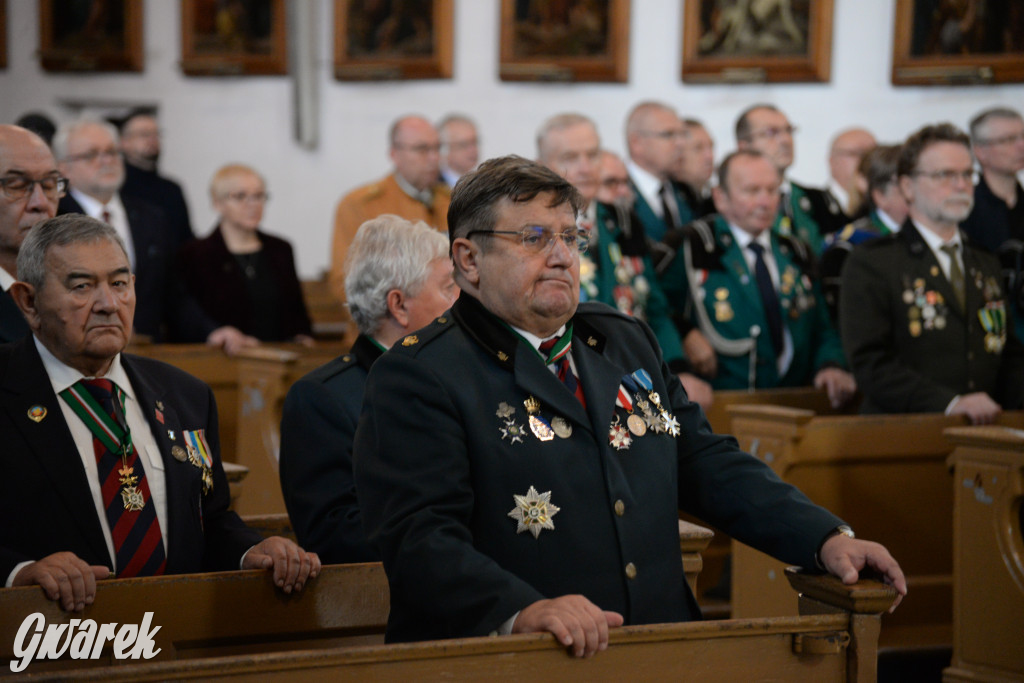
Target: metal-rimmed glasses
(537, 239)
(17, 187)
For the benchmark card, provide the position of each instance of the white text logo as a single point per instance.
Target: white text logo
(81, 639)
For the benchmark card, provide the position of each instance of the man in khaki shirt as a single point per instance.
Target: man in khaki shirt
(412, 191)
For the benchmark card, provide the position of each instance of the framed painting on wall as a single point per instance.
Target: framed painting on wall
(90, 35)
(392, 39)
(234, 37)
(570, 40)
(757, 41)
(943, 42)
(3, 34)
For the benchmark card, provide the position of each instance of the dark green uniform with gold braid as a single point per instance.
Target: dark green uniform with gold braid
(717, 292)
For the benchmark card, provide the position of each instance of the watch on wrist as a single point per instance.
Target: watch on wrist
(842, 529)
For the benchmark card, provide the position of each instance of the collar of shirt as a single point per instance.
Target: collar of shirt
(887, 220)
(840, 193)
(425, 196)
(648, 185)
(448, 175)
(63, 376)
(118, 218)
(935, 243)
(6, 279)
(536, 341)
(743, 240)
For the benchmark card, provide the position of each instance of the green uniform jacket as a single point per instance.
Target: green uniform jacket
(655, 227)
(796, 218)
(719, 293)
(911, 348)
(444, 448)
(631, 286)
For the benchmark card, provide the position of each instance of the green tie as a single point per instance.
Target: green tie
(956, 274)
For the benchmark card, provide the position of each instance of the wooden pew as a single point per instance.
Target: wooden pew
(886, 475)
(988, 554)
(836, 640)
(330, 318)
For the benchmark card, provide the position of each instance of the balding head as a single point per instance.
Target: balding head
(416, 151)
(655, 138)
(24, 156)
(848, 148)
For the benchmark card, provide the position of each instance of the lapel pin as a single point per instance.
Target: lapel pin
(179, 453)
(36, 413)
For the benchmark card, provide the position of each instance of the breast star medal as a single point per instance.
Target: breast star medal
(538, 425)
(561, 426)
(618, 437)
(533, 512)
(510, 430)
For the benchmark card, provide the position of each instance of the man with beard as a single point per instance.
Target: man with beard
(923, 313)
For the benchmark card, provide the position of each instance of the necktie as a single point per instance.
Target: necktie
(956, 274)
(770, 300)
(106, 215)
(130, 511)
(556, 351)
(667, 214)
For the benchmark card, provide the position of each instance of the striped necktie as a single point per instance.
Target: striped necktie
(129, 507)
(556, 351)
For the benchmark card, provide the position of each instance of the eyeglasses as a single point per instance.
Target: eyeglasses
(665, 134)
(614, 182)
(421, 149)
(1005, 140)
(18, 187)
(949, 177)
(773, 133)
(92, 155)
(537, 239)
(242, 197)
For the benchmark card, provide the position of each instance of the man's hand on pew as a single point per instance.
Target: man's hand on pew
(700, 353)
(840, 385)
(845, 557)
(231, 339)
(64, 577)
(697, 390)
(575, 622)
(292, 565)
(979, 408)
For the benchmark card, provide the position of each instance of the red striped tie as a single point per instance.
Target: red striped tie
(565, 373)
(138, 542)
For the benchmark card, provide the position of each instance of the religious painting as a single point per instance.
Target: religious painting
(958, 42)
(233, 37)
(757, 41)
(378, 40)
(565, 40)
(90, 35)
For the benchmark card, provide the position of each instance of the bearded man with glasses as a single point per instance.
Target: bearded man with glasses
(30, 186)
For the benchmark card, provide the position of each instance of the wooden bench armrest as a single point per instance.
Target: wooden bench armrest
(864, 597)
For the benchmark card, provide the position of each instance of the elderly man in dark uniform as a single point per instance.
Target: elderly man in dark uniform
(923, 315)
(521, 462)
(116, 457)
(399, 278)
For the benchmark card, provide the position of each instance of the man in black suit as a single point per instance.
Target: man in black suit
(140, 144)
(924, 318)
(521, 462)
(111, 463)
(88, 155)
(30, 186)
(398, 279)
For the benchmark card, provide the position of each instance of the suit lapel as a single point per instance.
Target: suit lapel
(534, 378)
(27, 385)
(929, 268)
(736, 266)
(601, 381)
(12, 323)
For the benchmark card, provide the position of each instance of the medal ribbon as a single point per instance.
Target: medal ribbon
(562, 346)
(623, 401)
(197, 439)
(644, 378)
(96, 418)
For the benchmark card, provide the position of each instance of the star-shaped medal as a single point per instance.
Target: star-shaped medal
(671, 424)
(618, 436)
(533, 512)
(653, 422)
(512, 431)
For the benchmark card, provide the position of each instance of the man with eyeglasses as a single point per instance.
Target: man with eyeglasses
(88, 155)
(141, 147)
(803, 212)
(412, 191)
(30, 186)
(521, 461)
(460, 147)
(997, 138)
(923, 314)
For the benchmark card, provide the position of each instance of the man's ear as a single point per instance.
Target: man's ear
(24, 296)
(905, 187)
(396, 306)
(465, 256)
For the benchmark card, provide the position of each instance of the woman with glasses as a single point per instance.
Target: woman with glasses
(240, 275)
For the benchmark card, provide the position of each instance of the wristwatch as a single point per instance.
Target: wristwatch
(843, 529)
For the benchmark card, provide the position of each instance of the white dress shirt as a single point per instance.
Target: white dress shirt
(118, 218)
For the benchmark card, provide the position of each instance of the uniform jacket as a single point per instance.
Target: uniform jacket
(12, 322)
(911, 348)
(719, 293)
(212, 276)
(370, 201)
(151, 187)
(654, 226)
(992, 222)
(43, 483)
(838, 246)
(318, 426)
(163, 310)
(801, 213)
(444, 447)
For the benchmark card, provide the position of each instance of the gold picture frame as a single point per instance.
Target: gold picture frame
(245, 38)
(958, 44)
(573, 40)
(787, 41)
(94, 36)
(393, 40)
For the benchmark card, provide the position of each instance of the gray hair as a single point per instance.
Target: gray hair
(71, 228)
(558, 122)
(388, 253)
(66, 130)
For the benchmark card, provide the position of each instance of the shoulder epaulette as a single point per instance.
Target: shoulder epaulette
(412, 343)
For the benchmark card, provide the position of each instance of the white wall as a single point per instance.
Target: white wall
(211, 121)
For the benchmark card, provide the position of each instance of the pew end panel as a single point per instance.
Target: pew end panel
(988, 558)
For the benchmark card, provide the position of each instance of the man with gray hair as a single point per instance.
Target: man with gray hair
(997, 140)
(398, 279)
(460, 147)
(116, 456)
